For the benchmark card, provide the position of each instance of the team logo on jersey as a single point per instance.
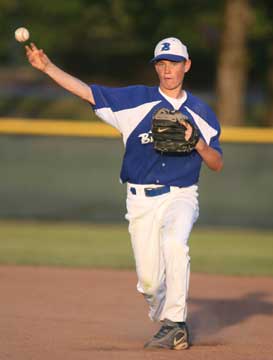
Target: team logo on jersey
(146, 138)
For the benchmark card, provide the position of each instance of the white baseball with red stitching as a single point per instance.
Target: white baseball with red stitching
(21, 34)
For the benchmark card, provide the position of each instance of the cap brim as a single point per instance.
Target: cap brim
(168, 57)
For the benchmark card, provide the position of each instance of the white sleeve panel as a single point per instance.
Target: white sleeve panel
(126, 120)
(207, 131)
(107, 115)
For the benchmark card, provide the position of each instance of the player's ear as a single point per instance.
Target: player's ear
(187, 65)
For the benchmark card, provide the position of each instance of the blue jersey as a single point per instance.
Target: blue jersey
(130, 110)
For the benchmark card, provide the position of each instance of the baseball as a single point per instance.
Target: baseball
(21, 34)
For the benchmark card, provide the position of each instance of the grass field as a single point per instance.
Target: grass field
(219, 251)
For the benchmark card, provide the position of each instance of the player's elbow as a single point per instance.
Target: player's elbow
(219, 165)
(215, 164)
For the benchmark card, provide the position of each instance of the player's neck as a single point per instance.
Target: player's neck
(177, 93)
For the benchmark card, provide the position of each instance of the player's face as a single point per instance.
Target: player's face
(171, 73)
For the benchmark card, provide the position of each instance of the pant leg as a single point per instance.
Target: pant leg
(178, 219)
(144, 229)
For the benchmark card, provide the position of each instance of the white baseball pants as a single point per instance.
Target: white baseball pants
(159, 227)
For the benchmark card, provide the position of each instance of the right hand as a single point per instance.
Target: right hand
(37, 58)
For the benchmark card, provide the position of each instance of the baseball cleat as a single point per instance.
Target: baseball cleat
(171, 335)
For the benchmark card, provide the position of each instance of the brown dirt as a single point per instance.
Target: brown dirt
(53, 313)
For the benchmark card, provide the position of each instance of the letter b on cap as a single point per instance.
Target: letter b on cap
(165, 46)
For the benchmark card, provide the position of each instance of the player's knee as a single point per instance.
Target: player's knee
(184, 253)
(185, 249)
(176, 248)
(148, 287)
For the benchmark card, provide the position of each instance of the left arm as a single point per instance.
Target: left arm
(212, 158)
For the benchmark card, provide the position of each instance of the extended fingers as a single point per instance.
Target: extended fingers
(28, 50)
(33, 46)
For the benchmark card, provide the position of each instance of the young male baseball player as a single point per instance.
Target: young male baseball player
(162, 191)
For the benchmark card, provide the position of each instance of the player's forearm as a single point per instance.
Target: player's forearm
(212, 158)
(69, 82)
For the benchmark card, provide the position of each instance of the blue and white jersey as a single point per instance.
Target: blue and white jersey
(130, 110)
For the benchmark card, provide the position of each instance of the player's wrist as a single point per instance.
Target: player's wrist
(48, 68)
(201, 145)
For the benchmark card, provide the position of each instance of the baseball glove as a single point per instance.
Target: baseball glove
(169, 134)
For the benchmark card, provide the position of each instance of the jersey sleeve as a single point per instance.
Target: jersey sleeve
(109, 101)
(213, 122)
(206, 120)
(215, 142)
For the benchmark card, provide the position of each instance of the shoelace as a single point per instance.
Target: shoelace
(163, 331)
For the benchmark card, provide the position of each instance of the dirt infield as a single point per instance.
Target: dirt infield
(52, 313)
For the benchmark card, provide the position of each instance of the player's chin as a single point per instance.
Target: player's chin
(170, 85)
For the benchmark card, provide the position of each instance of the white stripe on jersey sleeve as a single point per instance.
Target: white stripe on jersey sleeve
(125, 120)
(207, 131)
(107, 115)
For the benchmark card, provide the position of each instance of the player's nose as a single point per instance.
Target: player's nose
(167, 69)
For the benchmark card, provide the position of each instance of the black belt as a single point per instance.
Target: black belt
(153, 191)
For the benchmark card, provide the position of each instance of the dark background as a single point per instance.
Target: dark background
(111, 42)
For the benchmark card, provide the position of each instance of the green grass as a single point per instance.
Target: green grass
(62, 244)
(221, 251)
(232, 251)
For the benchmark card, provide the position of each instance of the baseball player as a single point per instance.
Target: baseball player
(162, 185)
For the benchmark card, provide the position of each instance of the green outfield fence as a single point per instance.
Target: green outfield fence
(70, 171)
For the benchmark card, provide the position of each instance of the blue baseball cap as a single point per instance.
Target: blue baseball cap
(170, 49)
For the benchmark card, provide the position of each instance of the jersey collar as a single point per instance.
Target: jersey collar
(176, 103)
